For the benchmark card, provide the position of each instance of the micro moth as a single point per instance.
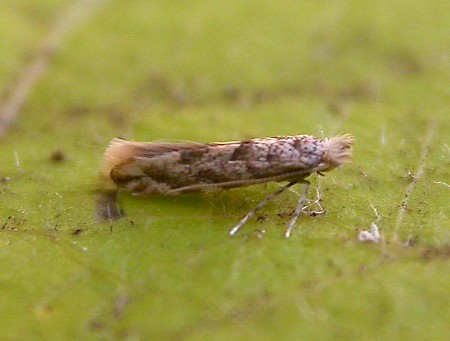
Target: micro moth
(164, 168)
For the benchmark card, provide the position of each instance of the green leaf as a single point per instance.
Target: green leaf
(75, 75)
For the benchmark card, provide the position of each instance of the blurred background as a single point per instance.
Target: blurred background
(128, 60)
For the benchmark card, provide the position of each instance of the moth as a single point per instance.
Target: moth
(164, 168)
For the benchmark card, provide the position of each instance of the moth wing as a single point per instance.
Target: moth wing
(121, 151)
(152, 149)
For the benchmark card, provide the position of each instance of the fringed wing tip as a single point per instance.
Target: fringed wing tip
(339, 149)
(117, 152)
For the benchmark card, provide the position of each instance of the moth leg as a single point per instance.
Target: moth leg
(298, 210)
(319, 210)
(260, 206)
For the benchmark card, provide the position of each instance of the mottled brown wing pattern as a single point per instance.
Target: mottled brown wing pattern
(178, 168)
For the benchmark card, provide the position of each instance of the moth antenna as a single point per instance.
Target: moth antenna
(117, 152)
(338, 150)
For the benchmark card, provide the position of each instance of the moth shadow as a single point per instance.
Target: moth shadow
(224, 203)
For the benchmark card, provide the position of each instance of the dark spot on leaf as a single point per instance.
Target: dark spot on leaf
(261, 217)
(77, 232)
(58, 156)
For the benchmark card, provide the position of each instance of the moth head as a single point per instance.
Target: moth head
(338, 150)
(118, 152)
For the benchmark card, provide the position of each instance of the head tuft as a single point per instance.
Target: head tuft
(338, 150)
(117, 152)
